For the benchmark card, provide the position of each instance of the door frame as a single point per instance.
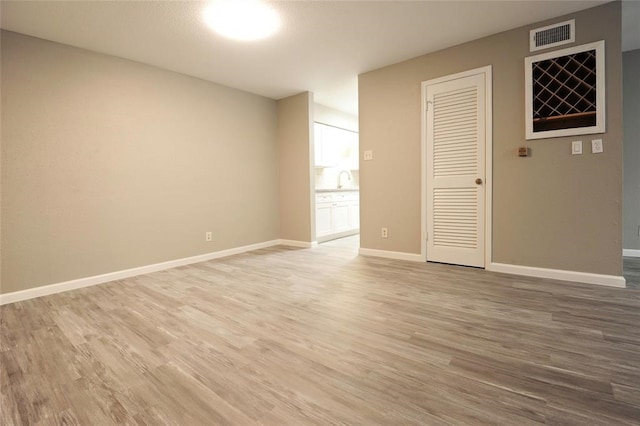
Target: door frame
(488, 240)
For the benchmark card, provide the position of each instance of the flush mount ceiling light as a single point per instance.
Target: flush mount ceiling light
(242, 19)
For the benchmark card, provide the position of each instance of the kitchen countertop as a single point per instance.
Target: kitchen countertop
(339, 190)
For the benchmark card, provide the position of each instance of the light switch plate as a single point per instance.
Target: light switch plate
(576, 147)
(368, 155)
(596, 146)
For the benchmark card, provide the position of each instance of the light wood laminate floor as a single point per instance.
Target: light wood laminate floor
(631, 267)
(321, 336)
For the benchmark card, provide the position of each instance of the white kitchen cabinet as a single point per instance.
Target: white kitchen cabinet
(335, 147)
(324, 218)
(325, 149)
(337, 214)
(341, 217)
(354, 214)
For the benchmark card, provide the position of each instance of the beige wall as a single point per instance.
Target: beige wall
(551, 210)
(109, 164)
(295, 149)
(631, 83)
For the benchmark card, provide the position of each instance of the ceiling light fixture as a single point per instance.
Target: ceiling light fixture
(242, 19)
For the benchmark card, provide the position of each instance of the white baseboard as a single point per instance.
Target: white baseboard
(31, 293)
(557, 274)
(631, 253)
(582, 277)
(391, 254)
(295, 243)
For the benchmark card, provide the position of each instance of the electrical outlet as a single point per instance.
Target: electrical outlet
(384, 232)
(596, 146)
(368, 155)
(208, 236)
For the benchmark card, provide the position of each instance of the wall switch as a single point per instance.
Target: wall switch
(208, 236)
(596, 146)
(576, 147)
(384, 232)
(368, 155)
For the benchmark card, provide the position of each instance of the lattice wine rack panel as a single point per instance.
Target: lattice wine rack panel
(564, 92)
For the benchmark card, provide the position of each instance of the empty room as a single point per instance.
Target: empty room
(247, 212)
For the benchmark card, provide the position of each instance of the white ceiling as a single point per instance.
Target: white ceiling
(322, 47)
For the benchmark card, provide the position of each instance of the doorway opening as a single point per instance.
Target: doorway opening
(336, 174)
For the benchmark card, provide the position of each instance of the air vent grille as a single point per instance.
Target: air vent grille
(553, 35)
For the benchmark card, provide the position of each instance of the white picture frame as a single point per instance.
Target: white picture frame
(565, 92)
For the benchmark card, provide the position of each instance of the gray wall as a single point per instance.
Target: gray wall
(295, 148)
(551, 210)
(109, 164)
(631, 105)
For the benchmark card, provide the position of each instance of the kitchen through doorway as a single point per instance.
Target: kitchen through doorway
(336, 174)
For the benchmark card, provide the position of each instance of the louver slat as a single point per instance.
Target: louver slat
(455, 217)
(455, 133)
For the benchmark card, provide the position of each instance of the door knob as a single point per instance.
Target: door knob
(479, 181)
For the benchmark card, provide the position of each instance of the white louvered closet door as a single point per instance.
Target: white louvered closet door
(456, 123)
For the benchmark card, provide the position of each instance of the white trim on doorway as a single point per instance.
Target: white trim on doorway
(487, 71)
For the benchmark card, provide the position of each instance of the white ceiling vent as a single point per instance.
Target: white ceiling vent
(552, 35)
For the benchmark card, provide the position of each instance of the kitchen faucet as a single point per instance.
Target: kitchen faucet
(340, 176)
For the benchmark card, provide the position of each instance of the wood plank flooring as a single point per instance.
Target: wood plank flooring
(631, 266)
(286, 336)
